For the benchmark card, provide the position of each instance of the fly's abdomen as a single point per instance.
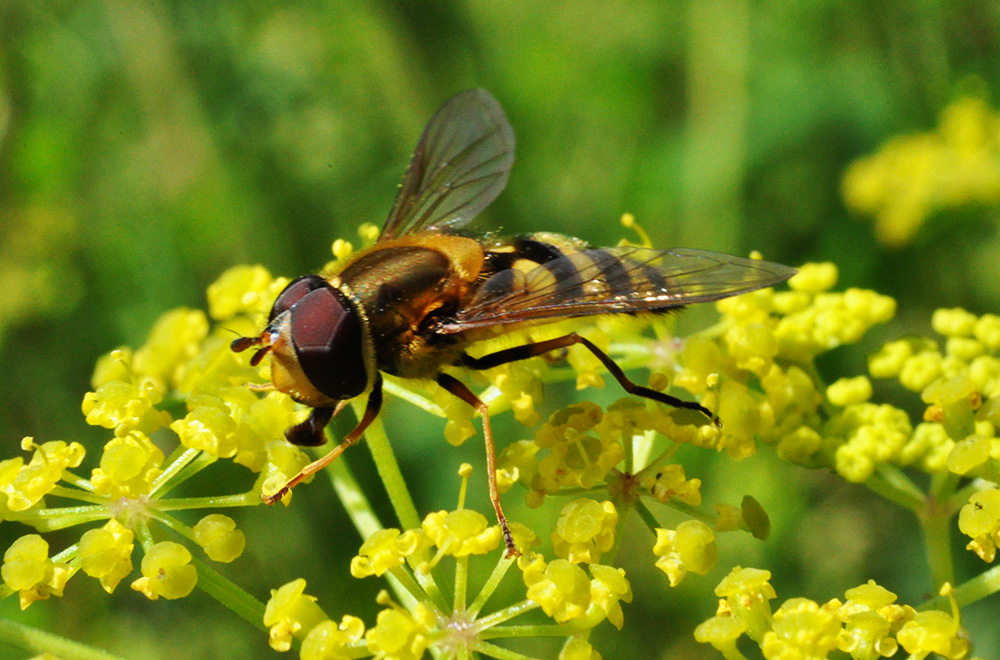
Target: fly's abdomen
(545, 269)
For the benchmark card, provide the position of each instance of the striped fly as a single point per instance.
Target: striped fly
(412, 303)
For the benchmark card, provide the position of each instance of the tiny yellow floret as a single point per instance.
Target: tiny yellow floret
(584, 530)
(955, 322)
(385, 550)
(25, 484)
(577, 648)
(401, 635)
(987, 331)
(218, 535)
(106, 554)
(722, 632)
(846, 391)
(691, 547)
(28, 570)
(980, 520)
(930, 632)
(814, 278)
(129, 466)
(746, 592)
(560, 587)
(607, 589)
(167, 572)
(291, 613)
(670, 483)
(331, 641)
(461, 532)
(801, 629)
(242, 290)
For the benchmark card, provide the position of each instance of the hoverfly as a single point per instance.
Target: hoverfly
(414, 301)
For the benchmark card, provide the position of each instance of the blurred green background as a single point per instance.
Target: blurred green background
(146, 147)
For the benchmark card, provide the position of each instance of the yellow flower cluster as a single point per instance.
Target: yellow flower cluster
(770, 338)
(912, 176)
(960, 385)
(560, 588)
(576, 452)
(867, 625)
(755, 369)
(181, 360)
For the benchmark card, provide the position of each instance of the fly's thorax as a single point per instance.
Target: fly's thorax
(402, 286)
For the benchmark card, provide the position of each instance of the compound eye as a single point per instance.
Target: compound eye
(294, 292)
(327, 335)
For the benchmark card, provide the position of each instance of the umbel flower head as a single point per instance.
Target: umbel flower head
(183, 363)
(179, 405)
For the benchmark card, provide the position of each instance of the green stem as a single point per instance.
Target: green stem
(391, 386)
(358, 508)
(66, 554)
(692, 512)
(229, 594)
(201, 462)
(420, 595)
(77, 481)
(179, 460)
(388, 470)
(937, 537)
(576, 491)
(983, 585)
(494, 651)
(38, 641)
(77, 494)
(213, 502)
(174, 524)
(652, 466)
(960, 498)
(48, 520)
(647, 516)
(943, 486)
(491, 585)
(547, 630)
(506, 614)
(145, 536)
(892, 483)
(628, 442)
(461, 582)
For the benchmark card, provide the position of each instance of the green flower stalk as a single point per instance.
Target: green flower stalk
(588, 469)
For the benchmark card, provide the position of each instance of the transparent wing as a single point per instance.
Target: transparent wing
(611, 281)
(460, 165)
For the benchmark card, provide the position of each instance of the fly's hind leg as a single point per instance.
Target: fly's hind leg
(459, 389)
(532, 350)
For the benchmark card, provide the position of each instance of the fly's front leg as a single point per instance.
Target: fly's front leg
(532, 350)
(308, 430)
(459, 389)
